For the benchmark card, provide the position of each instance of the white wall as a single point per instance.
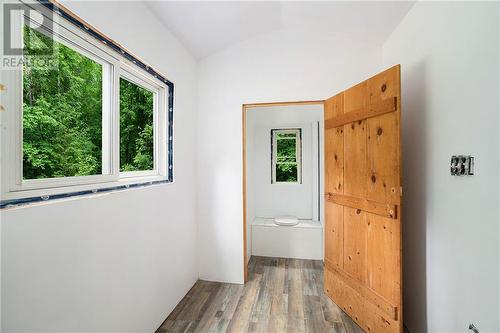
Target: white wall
(271, 200)
(284, 65)
(449, 54)
(118, 262)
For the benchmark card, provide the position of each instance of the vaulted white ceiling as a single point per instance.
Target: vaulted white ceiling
(205, 27)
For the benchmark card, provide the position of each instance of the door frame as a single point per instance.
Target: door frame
(244, 109)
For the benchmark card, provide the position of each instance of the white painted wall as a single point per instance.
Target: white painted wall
(118, 262)
(449, 54)
(284, 65)
(271, 200)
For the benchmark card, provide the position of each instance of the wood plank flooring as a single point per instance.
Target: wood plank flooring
(281, 295)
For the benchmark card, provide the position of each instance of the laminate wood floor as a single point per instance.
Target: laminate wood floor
(281, 295)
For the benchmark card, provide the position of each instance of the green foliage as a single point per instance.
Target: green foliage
(62, 115)
(136, 127)
(286, 173)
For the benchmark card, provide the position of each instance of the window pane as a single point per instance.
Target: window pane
(286, 149)
(286, 172)
(136, 127)
(62, 111)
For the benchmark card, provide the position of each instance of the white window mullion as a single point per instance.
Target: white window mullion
(107, 119)
(115, 128)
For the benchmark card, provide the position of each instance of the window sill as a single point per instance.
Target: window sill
(28, 197)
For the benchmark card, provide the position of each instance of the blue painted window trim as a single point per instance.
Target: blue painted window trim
(170, 129)
(26, 201)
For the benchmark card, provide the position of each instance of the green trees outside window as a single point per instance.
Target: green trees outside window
(136, 127)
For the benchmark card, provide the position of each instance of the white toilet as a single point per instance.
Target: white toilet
(286, 220)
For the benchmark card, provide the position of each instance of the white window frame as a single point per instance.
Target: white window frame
(114, 66)
(159, 120)
(298, 153)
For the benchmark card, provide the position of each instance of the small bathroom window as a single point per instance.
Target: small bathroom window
(286, 155)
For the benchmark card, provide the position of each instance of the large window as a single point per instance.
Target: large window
(286, 155)
(83, 116)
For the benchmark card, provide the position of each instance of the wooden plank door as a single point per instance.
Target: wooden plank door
(363, 202)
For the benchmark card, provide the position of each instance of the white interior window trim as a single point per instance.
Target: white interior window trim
(13, 186)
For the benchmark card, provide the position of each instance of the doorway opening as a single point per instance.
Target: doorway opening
(282, 180)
